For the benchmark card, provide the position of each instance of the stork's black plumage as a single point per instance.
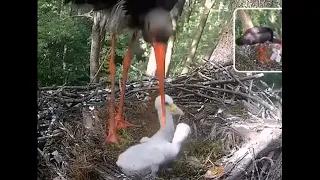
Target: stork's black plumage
(256, 35)
(150, 16)
(153, 18)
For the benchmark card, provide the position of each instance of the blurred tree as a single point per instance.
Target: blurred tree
(98, 36)
(188, 10)
(63, 49)
(245, 19)
(267, 17)
(195, 42)
(223, 53)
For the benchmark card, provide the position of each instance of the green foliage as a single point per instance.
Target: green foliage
(273, 79)
(265, 17)
(64, 42)
(209, 38)
(63, 46)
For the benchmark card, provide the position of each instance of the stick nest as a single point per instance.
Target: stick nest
(246, 58)
(72, 124)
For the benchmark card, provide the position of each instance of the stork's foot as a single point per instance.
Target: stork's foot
(121, 124)
(112, 136)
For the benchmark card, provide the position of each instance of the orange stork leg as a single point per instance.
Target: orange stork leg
(160, 53)
(262, 56)
(120, 123)
(112, 136)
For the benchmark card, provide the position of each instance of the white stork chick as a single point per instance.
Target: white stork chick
(145, 158)
(166, 132)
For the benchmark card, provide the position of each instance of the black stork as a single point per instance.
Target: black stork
(256, 35)
(153, 18)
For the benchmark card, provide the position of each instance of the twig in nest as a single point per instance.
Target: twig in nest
(202, 95)
(204, 76)
(50, 136)
(48, 163)
(57, 92)
(79, 100)
(256, 76)
(42, 154)
(265, 166)
(257, 99)
(88, 87)
(44, 114)
(73, 95)
(224, 68)
(241, 83)
(235, 165)
(204, 83)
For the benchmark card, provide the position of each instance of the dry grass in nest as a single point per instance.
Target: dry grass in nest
(194, 160)
(84, 149)
(140, 114)
(229, 138)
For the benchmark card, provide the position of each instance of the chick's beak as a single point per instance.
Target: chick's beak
(175, 110)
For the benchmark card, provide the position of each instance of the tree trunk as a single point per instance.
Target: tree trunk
(224, 51)
(192, 52)
(188, 10)
(98, 34)
(245, 20)
(151, 68)
(213, 46)
(94, 55)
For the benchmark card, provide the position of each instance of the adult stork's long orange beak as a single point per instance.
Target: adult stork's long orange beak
(157, 30)
(160, 53)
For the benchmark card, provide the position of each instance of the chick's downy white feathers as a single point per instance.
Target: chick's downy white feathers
(157, 101)
(145, 158)
(182, 132)
(167, 131)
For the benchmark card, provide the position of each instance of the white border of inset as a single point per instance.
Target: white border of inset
(234, 40)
